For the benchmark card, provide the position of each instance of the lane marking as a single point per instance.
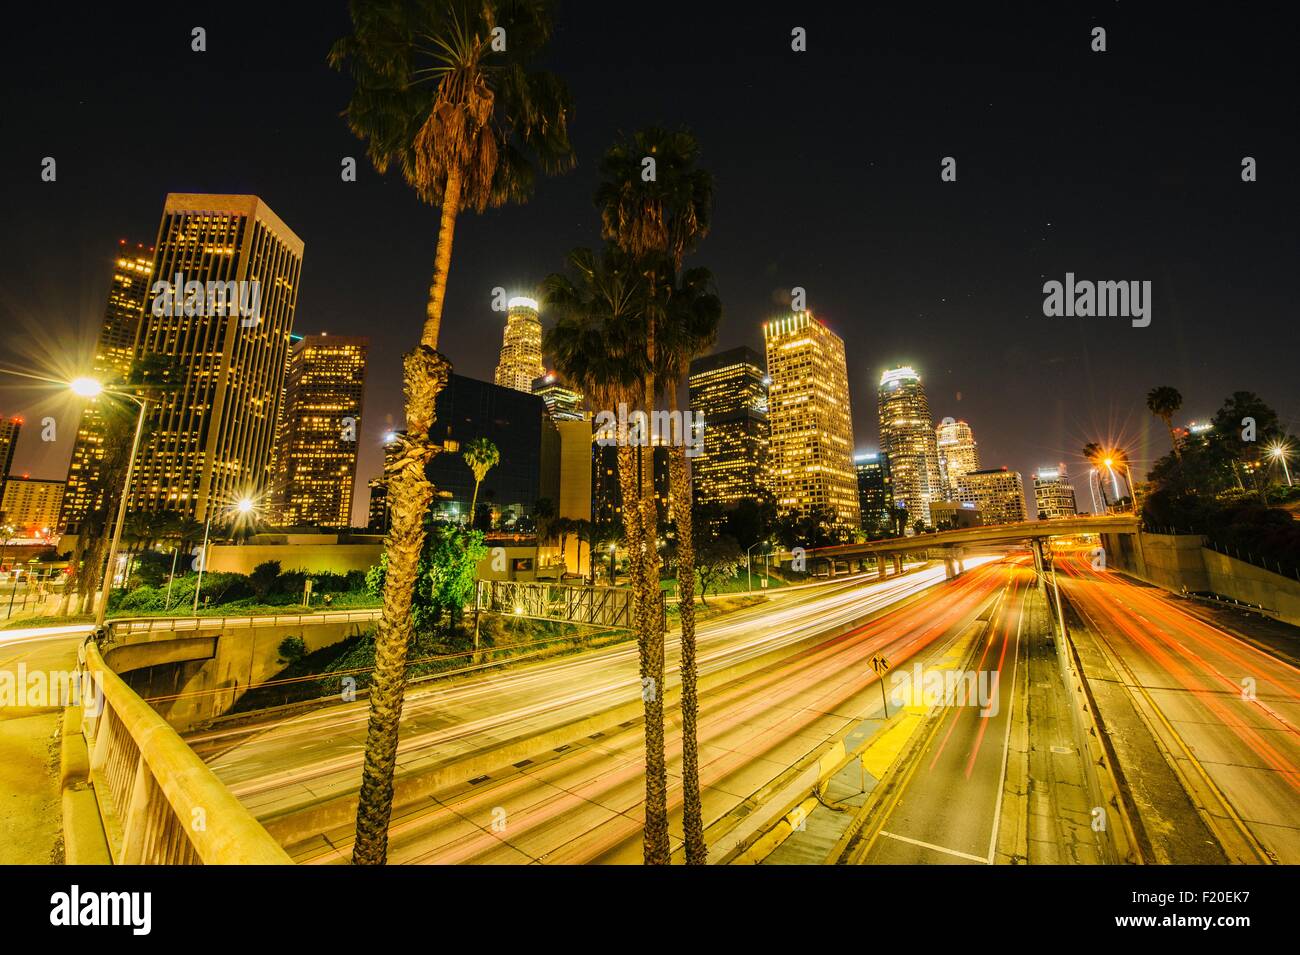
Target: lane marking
(931, 845)
(1006, 742)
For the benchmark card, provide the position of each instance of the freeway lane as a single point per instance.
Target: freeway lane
(298, 762)
(582, 803)
(1226, 712)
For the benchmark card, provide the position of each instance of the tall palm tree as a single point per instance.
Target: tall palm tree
(466, 123)
(1164, 402)
(482, 456)
(584, 530)
(561, 528)
(689, 328)
(1096, 456)
(655, 219)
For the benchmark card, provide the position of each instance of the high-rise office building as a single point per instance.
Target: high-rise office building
(907, 438)
(114, 356)
(875, 492)
(998, 494)
(31, 506)
(958, 453)
(729, 391)
(316, 458)
(377, 515)
(10, 428)
(810, 454)
(1053, 494)
(225, 330)
(563, 403)
(521, 346)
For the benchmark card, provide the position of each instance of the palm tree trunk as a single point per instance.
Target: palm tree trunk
(441, 265)
(657, 847)
(1173, 437)
(410, 493)
(473, 503)
(692, 809)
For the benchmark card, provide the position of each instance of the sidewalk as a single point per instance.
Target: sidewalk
(31, 812)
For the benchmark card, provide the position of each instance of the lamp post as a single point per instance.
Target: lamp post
(243, 506)
(1280, 452)
(749, 567)
(90, 388)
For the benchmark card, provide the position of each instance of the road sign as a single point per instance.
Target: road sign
(879, 664)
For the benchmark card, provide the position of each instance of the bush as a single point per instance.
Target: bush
(292, 649)
(264, 577)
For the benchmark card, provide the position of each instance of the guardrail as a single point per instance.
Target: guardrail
(125, 626)
(160, 804)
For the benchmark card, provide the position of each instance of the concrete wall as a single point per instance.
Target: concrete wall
(190, 680)
(1178, 562)
(310, 558)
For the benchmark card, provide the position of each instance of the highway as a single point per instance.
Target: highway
(579, 801)
(1225, 711)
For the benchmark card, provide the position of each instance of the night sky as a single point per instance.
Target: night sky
(1123, 165)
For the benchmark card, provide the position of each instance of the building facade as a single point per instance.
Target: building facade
(1053, 494)
(810, 454)
(729, 391)
(31, 506)
(114, 357)
(998, 494)
(316, 456)
(211, 429)
(563, 403)
(875, 493)
(958, 453)
(907, 438)
(10, 429)
(521, 346)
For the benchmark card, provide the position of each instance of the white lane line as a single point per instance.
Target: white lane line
(931, 845)
(1006, 742)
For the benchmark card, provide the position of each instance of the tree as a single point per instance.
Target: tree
(560, 529)
(1095, 456)
(715, 560)
(466, 122)
(584, 530)
(264, 577)
(655, 220)
(482, 456)
(1164, 402)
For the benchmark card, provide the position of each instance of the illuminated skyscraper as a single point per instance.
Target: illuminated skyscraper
(563, 403)
(31, 506)
(908, 440)
(316, 459)
(1053, 494)
(810, 455)
(958, 453)
(226, 332)
(10, 428)
(998, 494)
(875, 492)
(114, 355)
(729, 390)
(521, 346)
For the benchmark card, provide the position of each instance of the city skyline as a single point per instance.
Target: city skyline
(963, 304)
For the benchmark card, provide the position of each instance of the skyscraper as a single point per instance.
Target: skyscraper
(875, 492)
(563, 403)
(729, 390)
(316, 459)
(958, 453)
(1053, 494)
(810, 456)
(521, 346)
(114, 356)
(907, 438)
(10, 428)
(31, 505)
(226, 331)
(998, 494)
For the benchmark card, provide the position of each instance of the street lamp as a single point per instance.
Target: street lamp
(1280, 452)
(244, 506)
(91, 388)
(749, 567)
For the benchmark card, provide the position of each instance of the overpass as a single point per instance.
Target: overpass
(952, 542)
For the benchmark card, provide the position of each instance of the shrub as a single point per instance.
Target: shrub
(292, 649)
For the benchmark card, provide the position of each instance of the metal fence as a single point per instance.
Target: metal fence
(599, 606)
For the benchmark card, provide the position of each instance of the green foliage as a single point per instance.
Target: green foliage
(375, 576)
(715, 560)
(292, 649)
(446, 575)
(264, 577)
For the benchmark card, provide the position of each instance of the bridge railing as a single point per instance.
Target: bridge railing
(123, 627)
(599, 606)
(160, 804)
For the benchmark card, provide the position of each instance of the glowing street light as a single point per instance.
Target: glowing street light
(1280, 452)
(243, 507)
(86, 387)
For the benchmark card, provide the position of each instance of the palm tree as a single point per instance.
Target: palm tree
(689, 328)
(1094, 455)
(465, 122)
(1164, 402)
(656, 220)
(482, 456)
(560, 529)
(584, 530)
